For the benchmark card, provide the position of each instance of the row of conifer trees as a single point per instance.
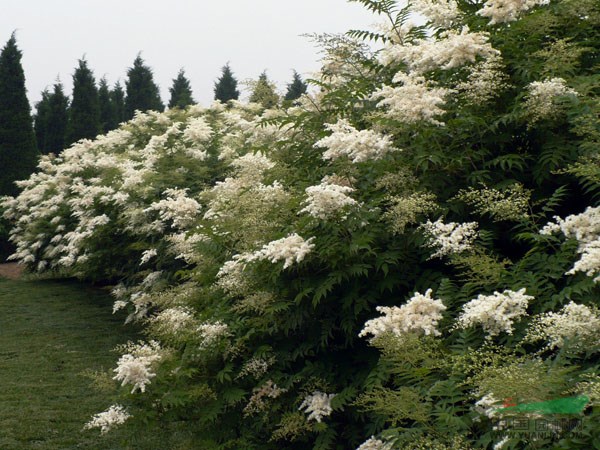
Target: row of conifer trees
(97, 108)
(94, 108)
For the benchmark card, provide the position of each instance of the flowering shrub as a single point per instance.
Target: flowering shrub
(420, 314)
(495, 313)
(257, 247)
(317, 405)
(113, 416)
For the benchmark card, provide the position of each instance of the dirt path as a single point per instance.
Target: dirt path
(12, 271)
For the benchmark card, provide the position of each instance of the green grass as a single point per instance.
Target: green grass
(52, 335)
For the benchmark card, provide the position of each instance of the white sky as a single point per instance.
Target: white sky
(198, 35)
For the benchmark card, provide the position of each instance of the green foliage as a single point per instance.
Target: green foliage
(181, 92)
(84, 112)
(40, 120)
(117, 97)
(265, 299)
(226, 86)
(108, 120)
(142, 92)
(295, 89)
(18, 150)
(56, 353)
(56, 125)
(263, 92)
(6, 248)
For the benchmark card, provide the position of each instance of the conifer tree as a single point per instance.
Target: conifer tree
(40, 120)
(181, 92)
(296, 88)
(51, 120)
(18, 149)
(226, 86)
(108, 120)
(84, 113)
(264, 92)
(56, 125)
(142, 92)
(117, 96)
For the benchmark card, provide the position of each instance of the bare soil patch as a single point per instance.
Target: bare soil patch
(11, 271)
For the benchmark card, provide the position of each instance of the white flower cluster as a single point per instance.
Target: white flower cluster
(374, 444)
(501, 11)
(212, 332)
(252, 166)
(231, 277)
(147, 256)
(488, 406)
(495, 313)
(115, 415)
(451, 50)
(290, 249)
(172, 320)
(224, 194)
(163, 144)
(176, 207)
(328, 199)
(415, 100)
(119, 305)
(420, 315)
(183, 245)
(260, 395)
(358, 146)
(141, 302)
(198, 131)
(151, 279)
(440, 13)
(589, 263)
(256, 367)
(135, 367)
(542, 97)
(577, 326)
(112, 182)
(449, 238)
(585, 228)
(194, 153)
(501, 443)
(485, 81)
(243, 201)
(317, 405)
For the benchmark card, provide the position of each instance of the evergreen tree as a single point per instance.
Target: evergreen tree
(142, 92)
(108, 120)
(264, 92)
(295, 89)
(181, 92)
(84, 113)
(18, 150)
(51, 120)
(56, 124)
(226, 86)
(117, 96)
(40, 120)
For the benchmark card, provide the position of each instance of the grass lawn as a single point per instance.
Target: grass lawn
(51, 334)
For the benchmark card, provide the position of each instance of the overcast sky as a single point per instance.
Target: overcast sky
(198, 35)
